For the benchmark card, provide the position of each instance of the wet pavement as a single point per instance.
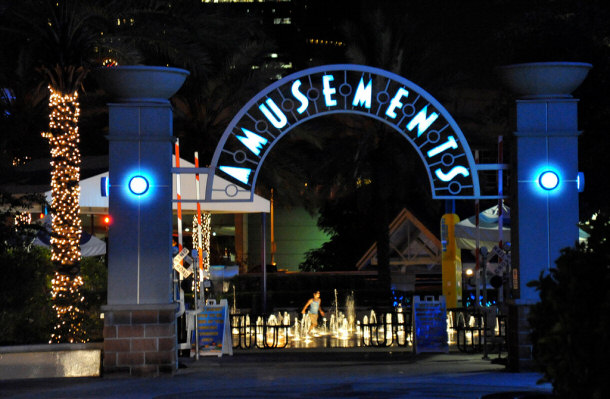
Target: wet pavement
(292, 373)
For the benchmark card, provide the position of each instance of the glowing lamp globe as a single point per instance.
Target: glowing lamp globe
(138, 185)
(548, 180)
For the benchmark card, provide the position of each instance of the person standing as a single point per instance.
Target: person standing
(314, 308)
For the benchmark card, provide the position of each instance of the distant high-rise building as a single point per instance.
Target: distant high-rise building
(306, 32)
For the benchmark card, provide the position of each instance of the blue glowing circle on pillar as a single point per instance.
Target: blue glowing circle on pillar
(104, 186)
(580, 182)
(548, 180)
(138, 185)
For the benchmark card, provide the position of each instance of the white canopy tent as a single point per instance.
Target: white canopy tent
(89, 245)
(489, 235)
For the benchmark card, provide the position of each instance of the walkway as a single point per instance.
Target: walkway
(342, 373)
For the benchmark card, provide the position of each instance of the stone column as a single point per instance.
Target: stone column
(139, 322)
(545, 198)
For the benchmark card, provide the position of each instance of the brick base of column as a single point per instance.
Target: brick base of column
(140, 340)
(520, 355)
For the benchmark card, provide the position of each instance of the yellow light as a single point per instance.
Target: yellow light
(206, 230)
(66, 226)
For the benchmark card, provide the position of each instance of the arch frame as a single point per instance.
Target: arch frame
(256, 143)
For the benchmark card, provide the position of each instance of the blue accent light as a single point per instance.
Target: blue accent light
(548, 180)
(133, 183)
(105, 186)
(580, 182)
(138, 185)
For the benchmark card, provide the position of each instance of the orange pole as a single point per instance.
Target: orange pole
(199, 235)
(178, 196)
(272, 232)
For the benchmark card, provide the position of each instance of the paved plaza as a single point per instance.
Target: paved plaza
(339, 373)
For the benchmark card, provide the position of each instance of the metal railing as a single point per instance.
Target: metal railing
(472, 329)
(249, 332)
(387, 329)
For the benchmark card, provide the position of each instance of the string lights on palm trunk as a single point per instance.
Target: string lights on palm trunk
(206, 230)
(66, 225)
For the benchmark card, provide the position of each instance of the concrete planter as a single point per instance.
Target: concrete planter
(50, 361)
(544, 79)
(141, 83)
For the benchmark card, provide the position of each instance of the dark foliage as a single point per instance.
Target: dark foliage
(571, 323)
(26, 316)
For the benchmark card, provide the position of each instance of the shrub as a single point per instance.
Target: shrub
(26, 316)
(94, 290)
(571, 323)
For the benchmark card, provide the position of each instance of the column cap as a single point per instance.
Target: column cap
(141, 83)
(540, 80)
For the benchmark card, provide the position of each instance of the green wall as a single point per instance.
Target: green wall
(295, 234)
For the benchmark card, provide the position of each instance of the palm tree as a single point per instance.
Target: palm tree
(378, 177)
(61, 40)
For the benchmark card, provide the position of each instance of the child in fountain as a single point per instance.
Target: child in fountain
(314, 307)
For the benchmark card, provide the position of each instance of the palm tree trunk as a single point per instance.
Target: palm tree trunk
(66, 224)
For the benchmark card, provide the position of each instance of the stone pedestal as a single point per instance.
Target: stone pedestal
(520, 356)
(140, 326)
(545, 216)
(140, 340)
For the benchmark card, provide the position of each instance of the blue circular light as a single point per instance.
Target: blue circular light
(138, 185)
(548, 180)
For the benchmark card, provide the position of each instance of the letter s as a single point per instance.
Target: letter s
(456, 170)
(299, 96)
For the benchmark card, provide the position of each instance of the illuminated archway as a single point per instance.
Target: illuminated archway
(350, 89)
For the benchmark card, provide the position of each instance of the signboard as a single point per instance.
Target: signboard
(213, 330)
(183, 255)
(430, 325)
(347, 89)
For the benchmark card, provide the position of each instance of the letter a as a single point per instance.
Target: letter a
(277, 119)
(241, 174)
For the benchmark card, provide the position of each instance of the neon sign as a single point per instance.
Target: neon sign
(354, 89)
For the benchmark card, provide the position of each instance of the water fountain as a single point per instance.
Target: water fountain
(339, 330)
(350, 310)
